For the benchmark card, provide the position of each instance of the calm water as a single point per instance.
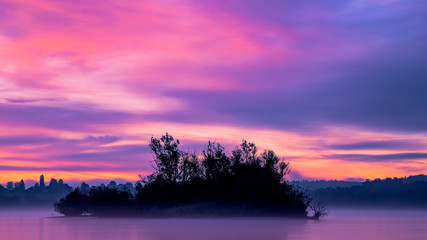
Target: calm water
(341, 224)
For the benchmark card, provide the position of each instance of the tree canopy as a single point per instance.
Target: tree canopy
(210, 183)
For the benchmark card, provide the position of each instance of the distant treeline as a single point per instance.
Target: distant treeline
(243, 183)
(389, 192)
(16, 194)
(317, 184)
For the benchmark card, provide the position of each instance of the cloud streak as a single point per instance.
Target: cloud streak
(379, 158)
(390, 144)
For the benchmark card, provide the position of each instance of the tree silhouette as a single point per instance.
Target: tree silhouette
(9, 186)
(190, 167)
(42, 184)
(167, 157)
(249, 151)
(319, 209)
(215, 161)
(243, 183)
(20, 186)
(73, 204)
(270, 159)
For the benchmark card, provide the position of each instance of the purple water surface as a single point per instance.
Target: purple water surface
(341, 224)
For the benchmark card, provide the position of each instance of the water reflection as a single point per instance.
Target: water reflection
(342, 225)
(180, 228)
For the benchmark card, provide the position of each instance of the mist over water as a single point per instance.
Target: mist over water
(341, 224)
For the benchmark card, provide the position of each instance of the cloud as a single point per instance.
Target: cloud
(388, 144)
(102, 139)
(399, 157)
(72, 118)
(125, 154)
(23, 100)
(293, 71)
(27, 140)
(377, 94)
(297, 176)
(354, 179)
(373, 77)
(36, 140)
(77, 156)
(75, 168)
(14, 100)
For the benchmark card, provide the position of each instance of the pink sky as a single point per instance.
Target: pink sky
(337, 88)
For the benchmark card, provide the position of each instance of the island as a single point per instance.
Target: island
(188, 184)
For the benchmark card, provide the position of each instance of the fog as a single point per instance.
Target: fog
(340, 224)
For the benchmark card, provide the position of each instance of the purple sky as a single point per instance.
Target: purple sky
(338, 88)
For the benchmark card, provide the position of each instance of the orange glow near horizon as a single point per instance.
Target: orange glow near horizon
(307, 158)
(13, 176)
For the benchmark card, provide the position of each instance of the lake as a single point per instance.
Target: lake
(340, 224)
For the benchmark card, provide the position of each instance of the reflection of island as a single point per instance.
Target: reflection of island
(184, 184)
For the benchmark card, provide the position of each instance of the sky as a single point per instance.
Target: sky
(337, 88)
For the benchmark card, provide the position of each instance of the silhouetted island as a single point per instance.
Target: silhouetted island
(185, 184)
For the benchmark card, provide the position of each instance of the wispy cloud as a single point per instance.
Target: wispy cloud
(380, 157)
(388, 144)
(27, 140)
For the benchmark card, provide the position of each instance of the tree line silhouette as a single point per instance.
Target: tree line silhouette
(16, 194)
(242, 183)
(211, 183)
(390, 192)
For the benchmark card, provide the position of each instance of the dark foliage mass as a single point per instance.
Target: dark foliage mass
(389, 192)
(98, 201)
(317, 184)
(243, 183)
